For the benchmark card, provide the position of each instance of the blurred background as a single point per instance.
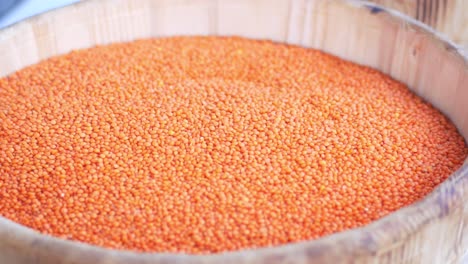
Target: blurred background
(12, 11)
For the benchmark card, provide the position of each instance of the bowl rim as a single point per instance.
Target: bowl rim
(357, 242)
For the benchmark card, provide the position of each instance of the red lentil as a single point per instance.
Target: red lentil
(208, 144)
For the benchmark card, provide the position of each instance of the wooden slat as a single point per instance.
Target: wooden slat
(431, 231)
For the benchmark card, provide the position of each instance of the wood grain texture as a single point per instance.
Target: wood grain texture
(433, 230)
(447, 16)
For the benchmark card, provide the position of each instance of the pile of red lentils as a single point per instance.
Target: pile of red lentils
(210, 144)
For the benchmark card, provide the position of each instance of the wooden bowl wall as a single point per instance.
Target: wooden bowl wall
(449, 17)
(434, 230)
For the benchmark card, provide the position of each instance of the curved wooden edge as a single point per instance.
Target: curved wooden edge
(417, 25)
(445, 16)
(371, 242)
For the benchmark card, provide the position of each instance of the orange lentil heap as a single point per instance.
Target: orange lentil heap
(211, 144)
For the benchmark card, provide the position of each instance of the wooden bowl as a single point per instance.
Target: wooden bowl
(433, 230)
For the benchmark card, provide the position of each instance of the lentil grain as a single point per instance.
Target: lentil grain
(209, 144)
